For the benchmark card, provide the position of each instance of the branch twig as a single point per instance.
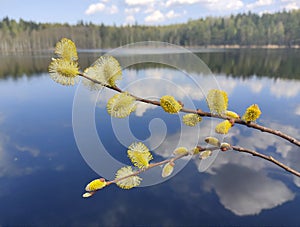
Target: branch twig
(208, 114)
(268, 158)
(236, 148)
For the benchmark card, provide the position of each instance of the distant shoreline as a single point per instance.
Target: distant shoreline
(199, 49)
(270, 46)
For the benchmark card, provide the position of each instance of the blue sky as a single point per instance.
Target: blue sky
(149, 12)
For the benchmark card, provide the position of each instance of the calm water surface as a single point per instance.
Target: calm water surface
(43, 175)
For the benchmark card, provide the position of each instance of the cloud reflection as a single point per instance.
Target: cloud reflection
(33, 151)
(241, 181)
(246, 191)
(297, 110)
(8, 163)
(285, 88)
(11, 164)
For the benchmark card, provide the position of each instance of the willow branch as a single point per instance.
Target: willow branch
(207, 114)
(236, 148)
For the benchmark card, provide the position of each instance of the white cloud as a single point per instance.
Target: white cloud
(220, 5)
(245, 191)
(259, 3)
(292, 6)
(132, 10)
(155, 17)
(256, 87)
(161, 12)
(130, 20)
(142, 108)
(139, 2)
(210, 4)
(9, 164)
(234, 5)
(241, 181)
(113, 9)
(171, 14)
(150, 9)
(181, 2)
(297, 110)
(100, 7)
(33, 151)
(95, 8)
(285, 88)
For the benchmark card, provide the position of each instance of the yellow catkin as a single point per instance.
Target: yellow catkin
(205, 154)
(223, 127)
(232, 114)
(95, 185)
(191, 119)
(180, 151)
(64, 69)
(167, 169)
(66, 49)
(128, 182)
(169, 104)
(217, 101)
(139, 159)
(106, 70)
(139, 154)
(195, 150)
(212, 141)
(252, 113)
(63, 72)
(121, 105)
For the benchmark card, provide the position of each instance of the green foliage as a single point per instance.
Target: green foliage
(243, 29)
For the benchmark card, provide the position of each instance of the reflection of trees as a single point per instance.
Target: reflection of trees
(262, 63)
(237, 63)
(18, 65)
(15, 66)
(242, 63)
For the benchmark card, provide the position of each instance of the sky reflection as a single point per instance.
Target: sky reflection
(42, 173)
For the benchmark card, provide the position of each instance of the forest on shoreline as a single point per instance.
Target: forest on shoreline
(246, 30)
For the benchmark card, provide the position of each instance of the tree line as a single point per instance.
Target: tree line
(282, 28)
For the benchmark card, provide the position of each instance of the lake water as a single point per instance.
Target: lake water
(43, 172)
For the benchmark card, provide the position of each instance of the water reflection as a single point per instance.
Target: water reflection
(260, 62)
(297, 110)
(247, 191)
(41, 166)
(236, 63)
